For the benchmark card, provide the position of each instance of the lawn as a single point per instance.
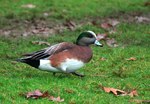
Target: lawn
(133, 39)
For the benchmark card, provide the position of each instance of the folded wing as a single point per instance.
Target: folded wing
(48, 52)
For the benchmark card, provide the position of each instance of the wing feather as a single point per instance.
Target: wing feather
(48, 52)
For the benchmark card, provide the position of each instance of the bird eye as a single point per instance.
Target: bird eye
(90, 36)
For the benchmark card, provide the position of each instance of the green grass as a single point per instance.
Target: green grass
(62, 9)
(116, 71)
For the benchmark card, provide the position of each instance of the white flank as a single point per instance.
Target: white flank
(46, 65)
(71, 65)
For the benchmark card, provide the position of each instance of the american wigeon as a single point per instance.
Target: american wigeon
(64, 57)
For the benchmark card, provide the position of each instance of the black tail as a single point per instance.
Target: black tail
(29, 61)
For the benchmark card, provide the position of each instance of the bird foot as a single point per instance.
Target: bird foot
(78, 74)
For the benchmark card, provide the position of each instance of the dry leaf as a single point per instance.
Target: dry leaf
(69, 91)
(30, 6)
(46, 14)
(101, 36)
(45, 94)
(70, 24)
(58, 99)
(142, 19)
(35, 94)
(35, 31)
(133, 93)
(40, 43)
(38, 94)
(131, 59)
(103, 59)
(140, 101)
(111, 42)
(147, 3)
(113, 22)
(118, 92)
(112, 31)
(106, 25)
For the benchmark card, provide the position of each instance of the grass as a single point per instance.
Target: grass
(69, 9)
(116, 71)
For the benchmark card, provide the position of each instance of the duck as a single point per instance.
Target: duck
(64, 57)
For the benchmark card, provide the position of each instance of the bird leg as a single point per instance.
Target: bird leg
(77, 74)
(54, 73)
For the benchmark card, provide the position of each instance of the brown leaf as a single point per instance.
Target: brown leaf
(131, 59)
(58, 99)
(118, 92)
(147, 3)
(112, 31)
(140, 101)
(111, 23)
(69, 91)
(114, 22)
(45, 94)
(40, 43)
(142, 19)
(38, 94)
(103, 59)
(35, 31)
(30, 6)
(111, 42)
(106, 25)
(70, 24)
(35, 94)
(133, 93)
(101, 36)
(46, 14)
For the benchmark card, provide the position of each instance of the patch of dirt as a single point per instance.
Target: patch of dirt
(47, 27)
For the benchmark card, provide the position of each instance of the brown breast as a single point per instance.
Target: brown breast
(82, 53)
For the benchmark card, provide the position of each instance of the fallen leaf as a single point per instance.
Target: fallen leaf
(35, 31)
(111, 42)
(46, 14)
(133, 93)
(131, 59)
(58, 99)
(35, 94)
(69, 91)
(70, 24)
(103, 59)
(140, 101)
(106, 25)
(45, 94)
(118, 92)
(112, 31)
(40, 43)
(113, 22)
(101, 36)
(7, 33)
(30, 6)
(147, 3)
(142, 19)
(38, 94)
